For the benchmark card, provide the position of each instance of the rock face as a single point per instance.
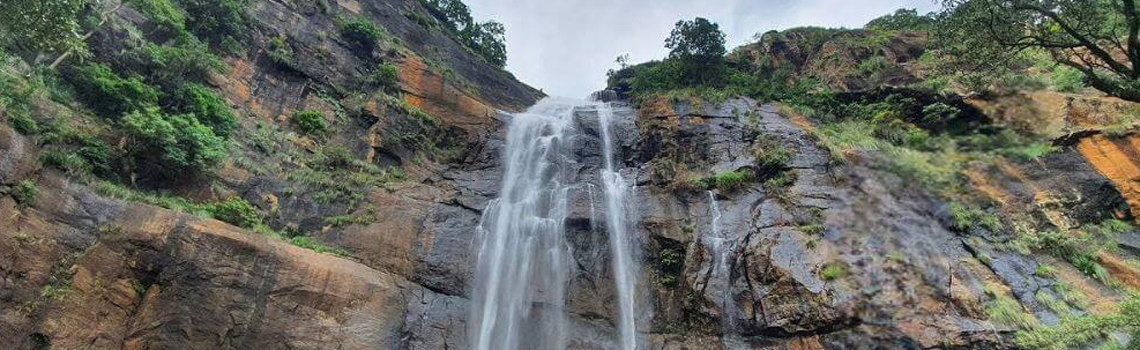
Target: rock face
(842, 255)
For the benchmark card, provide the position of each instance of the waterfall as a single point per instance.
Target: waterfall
(521, 271)
(721, 247)
(521, 248)
(624, 268)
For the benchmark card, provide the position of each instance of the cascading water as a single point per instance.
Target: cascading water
(624, 267)
(521, 249)
(520, 278)
(721, 247)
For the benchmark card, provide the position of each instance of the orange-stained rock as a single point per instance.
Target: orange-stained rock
(1119, 161)
(433, 93)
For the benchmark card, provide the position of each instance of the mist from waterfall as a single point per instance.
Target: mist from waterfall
(519, 286)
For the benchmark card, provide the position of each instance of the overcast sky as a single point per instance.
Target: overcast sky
(565, 46)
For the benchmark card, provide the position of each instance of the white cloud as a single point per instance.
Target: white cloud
(566, 46)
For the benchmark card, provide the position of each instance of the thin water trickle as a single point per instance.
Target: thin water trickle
(721, 247)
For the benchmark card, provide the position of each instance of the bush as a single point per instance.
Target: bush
(237, 212)
(172, 144)
(209, 108)
(771, 155)
(23, 124)
(1067, 79)
(219, 22)
(172, 65)
(281, 54)
(728, 182)
(312, 244)
(833, 271)
(24, 193)
(109, 94)
(385, 76)
(309, 122)
(1006, 311)
(362, 35)
(169, 18)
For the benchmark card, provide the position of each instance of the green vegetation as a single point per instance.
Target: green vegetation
(726, 182)
(207, 107)
(670, 264)
(218, 22)
(24, 193)
(982, 36)
(1004, 310)
(965, 219)
(238, 212)
(167, 16)
(168, 146)
(771, 155)
(109, 94)
(309, 122)
(47, 27)
(385, 76)
(281, 54)
(312, 244)
(339, 177)
(362, 35)
(366, 217)
(23, 124)
(833, 271)
(903, 19)
(1079, 247)
(485, 39)
(1085, 331)
(186, 60)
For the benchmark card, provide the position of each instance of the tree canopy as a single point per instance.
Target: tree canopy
(486, 39)
(42, 26)
(1100, 38)
(697, 39)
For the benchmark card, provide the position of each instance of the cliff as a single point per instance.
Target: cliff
(1011, 212)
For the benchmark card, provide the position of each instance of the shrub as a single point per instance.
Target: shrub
(964, 218)
(833, 271)
(771, 155)
(281, 54)
(309, 122)
(219, 22)
(169, 19)
(172, 144)
(209, 108)
(237, 212)
(1085, 331)
(24, 193)
(385, 76)
(1006, 311)
(362, 35)
(109, 94)
(172, 65)
(1067, 79)
(312, 244)
(727, 182)
(23, 124)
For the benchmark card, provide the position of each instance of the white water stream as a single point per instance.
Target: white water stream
(520, 277)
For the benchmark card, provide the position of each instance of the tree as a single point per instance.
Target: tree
(1099, 38)
(903, 19)
(698, 39)
(696, 52)
(42, 26)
